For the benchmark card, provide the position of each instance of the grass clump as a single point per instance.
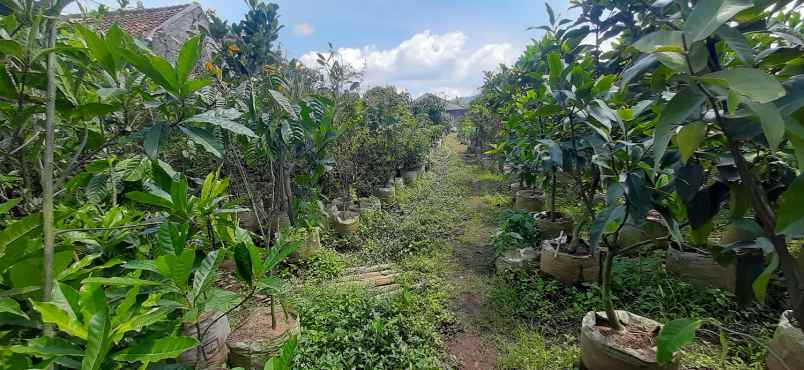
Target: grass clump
(348, 328)
(529, 351)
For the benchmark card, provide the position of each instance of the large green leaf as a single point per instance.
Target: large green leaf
(139, 59)
(54, 315)
(771, 120)
(19, 230)
(760, 284)
(223, 119)
(140, 321)
(98, 341)
(149, 199)
(708, 15)
(152, 350)
(243, 263)
(153, 138)
(6, 206)
(555, 67)
(285, 359)
(205, 274)
(638, 67)
(678, 109)
(177, 268)
(47, 347)
(119, 281)
(205, 138)
(188, 57)
(282, 101)
(794, 98)
(689, 138)
(606, 221)
(790, 214)
(663, 40)
(752, 83)
(11, 306)
(737, 42)
(673, 336)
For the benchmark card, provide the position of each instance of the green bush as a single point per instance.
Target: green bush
(644, 288)
(349, 328)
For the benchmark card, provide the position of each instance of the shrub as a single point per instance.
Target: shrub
(349, 328)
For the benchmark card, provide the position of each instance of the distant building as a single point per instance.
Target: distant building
(454, 110)
(164, 29)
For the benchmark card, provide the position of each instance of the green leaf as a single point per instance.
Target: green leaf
(11, 306)
(6, 206)
(737, 42)
(772, 122)
(10, 47)
(149, 199)
(556, 67)
(752, 83)
(139, 59)
(659, 40)
(154, 136)
(223, 119)
(188, 57)
(98, 342)
(285, 359)
(612, 215)
(193, 86)
(636, 69)
(205, 274)
(242, 259)
(673, 336)
(140, 321)
(760, 284)
(110, 92)
(153, 350)
(118, 281)
(603, 84)
(177, 268)
(206, 139)
(54, 315)
(708, 15)
(794, 99)
(77, 267)
(790, 214)
(282, 101)
(19, 230)
(47, 347)
(678, 109)
(689, 138)
(672, 60)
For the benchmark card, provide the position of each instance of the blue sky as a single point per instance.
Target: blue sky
(420, 46)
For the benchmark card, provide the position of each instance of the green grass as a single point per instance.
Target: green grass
(526, 349)
(347, 326)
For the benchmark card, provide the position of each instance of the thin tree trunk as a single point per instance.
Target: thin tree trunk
(48, 227)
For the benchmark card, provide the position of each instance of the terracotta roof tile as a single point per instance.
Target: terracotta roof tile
(140, 22)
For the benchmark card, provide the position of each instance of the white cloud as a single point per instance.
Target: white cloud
(303, 29)
(440, 63)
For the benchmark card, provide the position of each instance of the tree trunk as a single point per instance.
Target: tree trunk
(48, 228)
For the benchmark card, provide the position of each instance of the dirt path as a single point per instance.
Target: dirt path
(471, 269)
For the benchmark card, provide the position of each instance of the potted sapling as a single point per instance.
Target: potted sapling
(551, 223)
(617, 339)
(263, 330)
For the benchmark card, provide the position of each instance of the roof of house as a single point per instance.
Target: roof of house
(452, 107)
(142, 22)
